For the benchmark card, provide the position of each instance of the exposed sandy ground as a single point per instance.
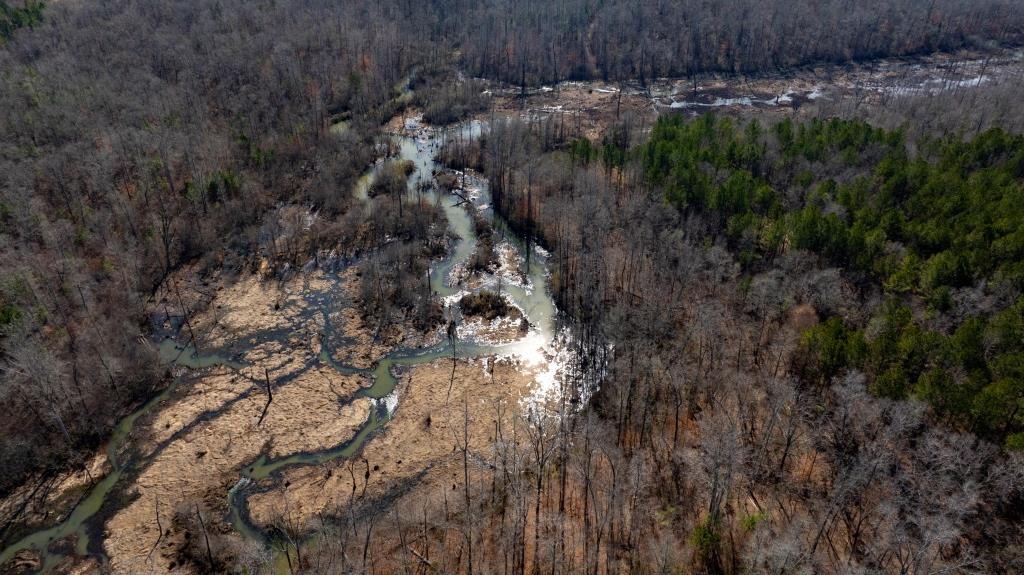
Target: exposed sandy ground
(577, 106)
(426, 432)
(305, 415)
(308, 412)
(194, 445)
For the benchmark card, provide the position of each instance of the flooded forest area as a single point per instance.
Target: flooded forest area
(511, 287)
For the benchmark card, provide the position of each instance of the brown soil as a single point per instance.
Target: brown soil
(426, 433)
(307, 412)
(305, 415)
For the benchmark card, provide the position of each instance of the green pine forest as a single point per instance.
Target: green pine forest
(920, 223)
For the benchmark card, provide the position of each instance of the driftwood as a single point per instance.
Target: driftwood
(422, 559)
(464, 199)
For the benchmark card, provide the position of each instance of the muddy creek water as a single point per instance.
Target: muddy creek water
(528, 292)
(76, 524)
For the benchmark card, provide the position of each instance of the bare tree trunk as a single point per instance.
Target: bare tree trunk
(206, 537)
(270, 397)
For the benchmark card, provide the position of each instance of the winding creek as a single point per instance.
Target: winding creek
(80, 532)
(531, 297)
(529, 293)
(77, 523)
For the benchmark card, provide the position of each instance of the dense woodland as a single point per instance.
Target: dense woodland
(14, 17)
(810, 322)
(126, 155)
(805, 336)
(941, 229)
(537, 41)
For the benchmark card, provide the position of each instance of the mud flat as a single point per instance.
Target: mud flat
(344, 391)
(198, 441)
(425, 433)
(431, 398)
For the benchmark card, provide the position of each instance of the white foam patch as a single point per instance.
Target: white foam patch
(390, 402)
(785, 98)
(451, 300)
(242, 483)
(934, 85)
(816, 94)
(510, 263)
(487, 332)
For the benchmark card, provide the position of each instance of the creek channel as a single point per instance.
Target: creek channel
(529, 292)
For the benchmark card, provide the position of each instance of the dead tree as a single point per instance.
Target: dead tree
(270, 397)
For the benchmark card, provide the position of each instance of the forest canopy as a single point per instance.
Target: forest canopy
(14, 17)
(753, 274)
(933, 228)
(535, 41)
(798, 335)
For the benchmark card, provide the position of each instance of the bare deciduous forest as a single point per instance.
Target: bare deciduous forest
(784, 337)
